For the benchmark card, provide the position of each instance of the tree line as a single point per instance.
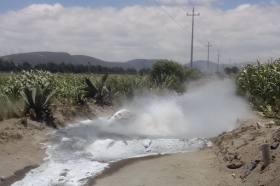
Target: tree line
(10, 66)
(231, 70)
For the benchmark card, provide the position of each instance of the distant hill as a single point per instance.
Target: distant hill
(202, 66)
(57, 57)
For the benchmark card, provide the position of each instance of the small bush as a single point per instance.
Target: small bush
(172, 75)
(169, 68)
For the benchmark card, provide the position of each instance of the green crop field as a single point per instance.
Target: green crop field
(32, 92)
(260, 83)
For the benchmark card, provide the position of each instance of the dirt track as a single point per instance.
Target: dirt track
(192, 169)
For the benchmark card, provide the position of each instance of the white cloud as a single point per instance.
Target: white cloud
(243, 7)
(245, 33)
(273, 2)
(192, 2)
(171, 1)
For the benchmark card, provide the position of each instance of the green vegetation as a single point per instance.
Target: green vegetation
(97, 91)
(39, 90)
(260, 83)
(232, 70)
(37, 104)
(10, 66)
(9, 108)
(171, 75)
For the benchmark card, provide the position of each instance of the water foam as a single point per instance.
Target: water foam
(75, 155)
(149, 125)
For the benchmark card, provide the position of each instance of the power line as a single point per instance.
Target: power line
(182, 9)
(200, 24)
(193, 14)
(179, 6)
(208, 55)
(203, 31)
(174, 2)
(171, 16)
(218, 60)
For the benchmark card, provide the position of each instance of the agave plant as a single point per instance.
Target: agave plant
(37, 102)
(90, 89)
(97, 90)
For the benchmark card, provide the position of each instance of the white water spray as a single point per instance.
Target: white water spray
(148, 125)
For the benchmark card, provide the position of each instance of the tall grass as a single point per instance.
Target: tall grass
(9, 108)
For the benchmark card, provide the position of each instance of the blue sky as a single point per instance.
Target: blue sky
(245, 33)
(13, 5)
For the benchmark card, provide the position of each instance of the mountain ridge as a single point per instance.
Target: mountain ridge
(34, 58)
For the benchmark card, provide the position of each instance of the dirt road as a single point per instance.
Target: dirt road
(191, 169)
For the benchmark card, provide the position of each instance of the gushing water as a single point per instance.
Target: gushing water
(150, 124)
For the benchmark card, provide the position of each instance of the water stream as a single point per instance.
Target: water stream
(150, 124)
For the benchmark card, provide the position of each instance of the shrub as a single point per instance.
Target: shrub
(169, 68)
(171, 71)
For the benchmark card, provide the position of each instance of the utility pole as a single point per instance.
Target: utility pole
(192, 34)
(218, 60)
(230, 63)
(89, 67)
(208, 55)
(271, 59)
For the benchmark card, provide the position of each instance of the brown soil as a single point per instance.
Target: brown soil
(116, 166)
(243, 145)
(192, 169)
(20, 148)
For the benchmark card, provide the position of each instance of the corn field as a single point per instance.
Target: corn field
(261, 84)
(35, 89)
(67, 88)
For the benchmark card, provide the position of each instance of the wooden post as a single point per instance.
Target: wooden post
(266, 154)
(89, 67)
